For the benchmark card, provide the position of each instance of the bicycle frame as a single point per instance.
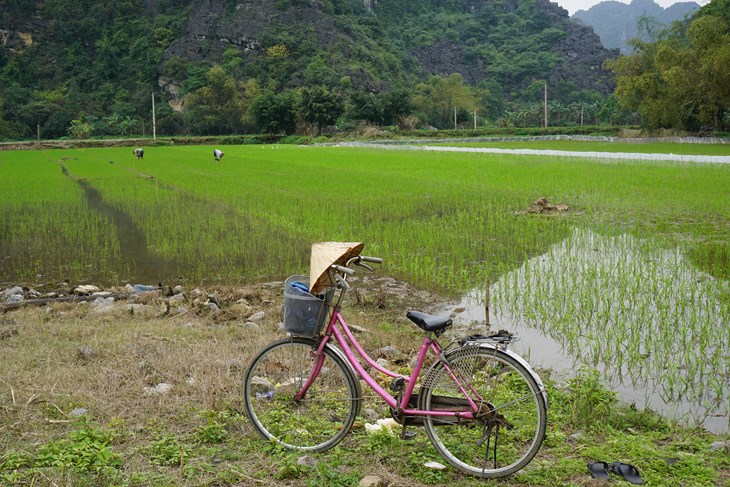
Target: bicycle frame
(345, 337)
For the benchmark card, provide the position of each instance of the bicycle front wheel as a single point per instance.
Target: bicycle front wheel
(510, 425)
(317, 421)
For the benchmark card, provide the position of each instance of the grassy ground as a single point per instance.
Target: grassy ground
(61, 357)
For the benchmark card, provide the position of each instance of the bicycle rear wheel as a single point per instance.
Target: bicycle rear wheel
(512, 417)
(319, 420)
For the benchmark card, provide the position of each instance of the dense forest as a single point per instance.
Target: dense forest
(84, 68)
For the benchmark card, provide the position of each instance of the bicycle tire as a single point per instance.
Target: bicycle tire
(512, 397)
(323, 417)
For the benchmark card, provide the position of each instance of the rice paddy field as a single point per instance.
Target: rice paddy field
(633, 277)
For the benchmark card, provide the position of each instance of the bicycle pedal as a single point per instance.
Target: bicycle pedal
(407, 435)
(397, 385)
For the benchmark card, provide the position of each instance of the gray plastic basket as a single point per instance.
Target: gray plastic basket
(304, 314)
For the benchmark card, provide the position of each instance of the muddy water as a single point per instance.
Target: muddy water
(643, 317)
(136, 260)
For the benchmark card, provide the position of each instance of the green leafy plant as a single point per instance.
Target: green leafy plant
(167, 451)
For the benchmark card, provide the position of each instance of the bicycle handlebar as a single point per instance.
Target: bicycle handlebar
(344, 270)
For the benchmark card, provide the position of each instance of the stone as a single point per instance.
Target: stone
(86, 289)
(370, 414)
(307, 461)
(234, 364)
(719, 445)
(78, 412)
(177, 298)
(159, 390)
(357, 329)
(178, 289)
(212, 306)
(371, 481)
(389, 352)
(257, 317)
(434, 465)
(13, 291)
(261, 385)
(15, 298)
(141, 309)
(86, 353)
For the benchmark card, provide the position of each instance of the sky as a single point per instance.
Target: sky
(573, 6)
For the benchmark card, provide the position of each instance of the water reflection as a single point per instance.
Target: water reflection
(654, 325)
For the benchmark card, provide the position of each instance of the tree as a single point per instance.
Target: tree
(440, 97)
(273, 112)
(318, 105)
(217, 107)
(683, 79)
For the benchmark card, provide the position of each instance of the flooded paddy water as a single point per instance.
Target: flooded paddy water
(644, 317)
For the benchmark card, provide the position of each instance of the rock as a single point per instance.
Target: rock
(129, 288)
(719, 445)
(178, 289)
(213, 298)
(177, 298)
(181, 310)
(13, 291)
(261, 385)
(383, 363)
(86, 353)
(196, 293)
(78, 412)
(15, 298)
(99, 302)
(234, 365)
(32, 293)
(257, 317)
(371, 481)
(389, 352)
(434, 465)
(141, 309)
(307, 461)
(577, 436)
(86, 289)
(370, 414)
(212, 306)
(358, 329)
(250, 325)
(159, 390)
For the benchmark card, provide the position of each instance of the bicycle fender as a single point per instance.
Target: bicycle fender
(527, 367)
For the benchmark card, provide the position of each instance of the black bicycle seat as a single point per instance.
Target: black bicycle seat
(432, 323)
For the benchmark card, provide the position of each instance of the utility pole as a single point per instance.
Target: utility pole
(454, 118)
(154, 122)
(545, 104)
(475, 119)
(581, 115)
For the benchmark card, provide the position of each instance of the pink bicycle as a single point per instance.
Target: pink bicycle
(483, 407)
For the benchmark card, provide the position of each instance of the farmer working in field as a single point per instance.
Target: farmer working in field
(139, 153)
(218, 154)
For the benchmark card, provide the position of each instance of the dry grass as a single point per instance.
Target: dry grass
(63, 356)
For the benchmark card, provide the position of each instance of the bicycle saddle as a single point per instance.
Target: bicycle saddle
(430, 322)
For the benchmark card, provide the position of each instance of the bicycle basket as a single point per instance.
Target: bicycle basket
(304, 314)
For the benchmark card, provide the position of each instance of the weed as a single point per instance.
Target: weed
(167, 451)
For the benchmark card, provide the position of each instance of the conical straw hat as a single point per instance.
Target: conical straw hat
(325, 254)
